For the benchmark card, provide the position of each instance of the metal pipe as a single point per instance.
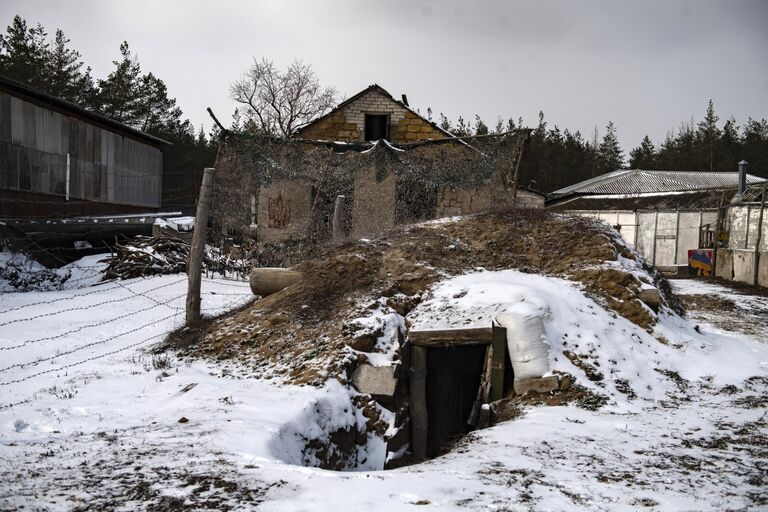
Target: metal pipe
(743, 167)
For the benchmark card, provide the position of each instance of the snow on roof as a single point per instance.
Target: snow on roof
(639, 181)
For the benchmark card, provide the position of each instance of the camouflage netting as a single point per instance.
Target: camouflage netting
(248, 163)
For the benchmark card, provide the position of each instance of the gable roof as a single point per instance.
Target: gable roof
(45, 100)
(383, 92)
(639, 182)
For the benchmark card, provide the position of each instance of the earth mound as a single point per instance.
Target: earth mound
(320, 328)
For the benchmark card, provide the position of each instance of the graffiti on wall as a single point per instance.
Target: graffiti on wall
(700, 260)
(279, 211)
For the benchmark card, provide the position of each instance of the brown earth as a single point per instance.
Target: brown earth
(300, 333)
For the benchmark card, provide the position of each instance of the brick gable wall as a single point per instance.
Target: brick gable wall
(348, 123)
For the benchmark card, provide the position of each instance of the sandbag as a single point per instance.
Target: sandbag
(527, 343)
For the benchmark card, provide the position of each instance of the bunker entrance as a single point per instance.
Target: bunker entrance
(455, 374)
(453, 379)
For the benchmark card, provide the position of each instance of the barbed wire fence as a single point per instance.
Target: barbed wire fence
(69, 344)
(75, 339)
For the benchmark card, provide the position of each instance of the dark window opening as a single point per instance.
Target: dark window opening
(376, 127)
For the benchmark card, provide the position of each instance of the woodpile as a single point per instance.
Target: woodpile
(147, 255)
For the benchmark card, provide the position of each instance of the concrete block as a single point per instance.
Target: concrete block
(744, 265)
(542, 385)
(724, 264)
(378, 381)
(762, 273)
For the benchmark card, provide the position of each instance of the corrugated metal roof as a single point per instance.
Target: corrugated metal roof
(51, 102)
(638, 181)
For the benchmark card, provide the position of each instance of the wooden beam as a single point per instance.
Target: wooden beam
(443, 337)
(418, 403)
(499, 345)
(196, 250)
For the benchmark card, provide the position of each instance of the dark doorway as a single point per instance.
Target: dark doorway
(376, 126)
(453, 377)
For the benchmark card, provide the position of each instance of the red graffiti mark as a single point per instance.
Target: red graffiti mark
(279, 213)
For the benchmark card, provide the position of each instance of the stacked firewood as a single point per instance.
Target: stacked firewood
(147, 255)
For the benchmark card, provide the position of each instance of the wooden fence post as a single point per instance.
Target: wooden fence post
(417, 387)
(499, 359)
(195, 262)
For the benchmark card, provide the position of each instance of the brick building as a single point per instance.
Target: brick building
(370, 115)
(392, 166)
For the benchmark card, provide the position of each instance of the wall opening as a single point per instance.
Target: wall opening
(454, 375)
(376, 127)
(453, 379)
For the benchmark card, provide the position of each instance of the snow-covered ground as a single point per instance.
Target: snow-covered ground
(725, 306)
(89, 419)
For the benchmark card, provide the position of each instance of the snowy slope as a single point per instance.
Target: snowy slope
(89, 420)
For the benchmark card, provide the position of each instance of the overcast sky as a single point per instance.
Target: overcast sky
(646, 65)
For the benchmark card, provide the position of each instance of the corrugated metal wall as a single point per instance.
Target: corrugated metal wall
(742, 224)
(104, 166)
(663, 237)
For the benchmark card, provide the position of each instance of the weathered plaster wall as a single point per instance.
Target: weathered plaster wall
(283, 210)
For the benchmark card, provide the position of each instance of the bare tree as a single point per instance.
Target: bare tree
(279, 103)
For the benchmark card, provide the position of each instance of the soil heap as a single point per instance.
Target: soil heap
(304, 333)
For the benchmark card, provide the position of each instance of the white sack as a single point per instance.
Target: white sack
(526, 342)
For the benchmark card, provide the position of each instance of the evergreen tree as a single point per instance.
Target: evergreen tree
(66, 80)
(480, 127)
(24, 54)
(708, 135)
(118, 93)
(729, 146)
(643, 156)
(142, 101)
(755, 146)
(611, 157)
(445, 124)
(686, 149)
(462, 128)
(156, 112)
(499, 125)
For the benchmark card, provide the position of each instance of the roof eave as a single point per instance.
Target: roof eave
(66, 106)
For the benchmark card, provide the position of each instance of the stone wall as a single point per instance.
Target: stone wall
(493, 196)
(348, 123)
